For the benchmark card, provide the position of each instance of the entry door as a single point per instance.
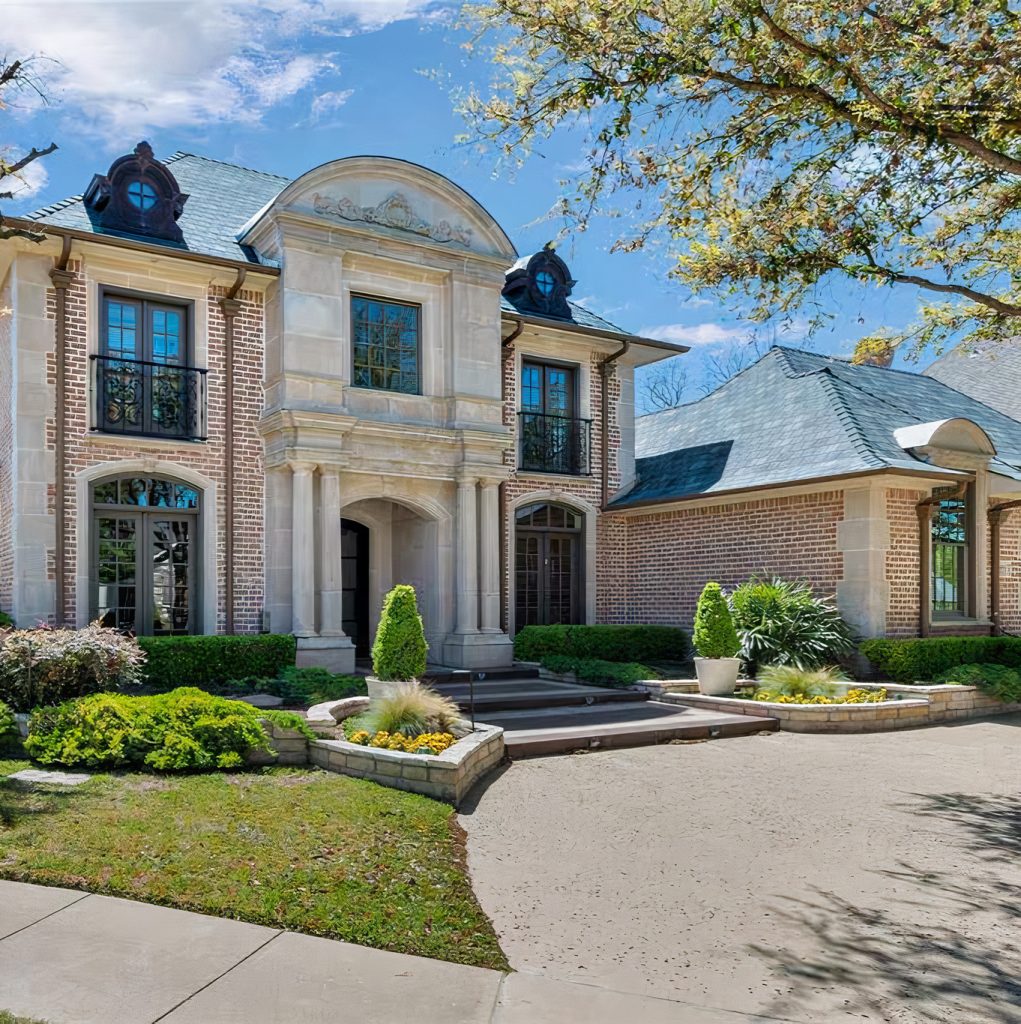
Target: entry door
(354, 551)
(546, 578)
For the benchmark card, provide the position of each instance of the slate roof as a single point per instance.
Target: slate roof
(223, 198)
(796, 415)
(991, 374)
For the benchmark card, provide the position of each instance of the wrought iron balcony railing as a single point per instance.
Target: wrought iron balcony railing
(554, 444)
(132, 396)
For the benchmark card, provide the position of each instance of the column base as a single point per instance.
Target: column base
(335, 653)
(478, 650)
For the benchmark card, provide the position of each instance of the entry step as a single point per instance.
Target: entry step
(520, 694)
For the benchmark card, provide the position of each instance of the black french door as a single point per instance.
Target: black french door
(546, 567)
(354, 552)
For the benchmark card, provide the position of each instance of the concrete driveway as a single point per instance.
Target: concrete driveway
(811, 878)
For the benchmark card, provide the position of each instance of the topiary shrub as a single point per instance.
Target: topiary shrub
(46, 666)
(212, 662)
(781, 622)
(714, 635)
(398, 654)
(609, 643)
(1002, 682)
(185, 729)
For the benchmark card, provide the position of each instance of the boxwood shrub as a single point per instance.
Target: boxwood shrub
(926, 658)
(606, 643)
(1002, 682)
(185, 729)
(616, 674)
(212, 661)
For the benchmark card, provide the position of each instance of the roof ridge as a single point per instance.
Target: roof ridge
(180, 154)
(850, 421)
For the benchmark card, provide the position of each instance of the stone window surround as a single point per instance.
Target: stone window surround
(589, 514)
(208, 517)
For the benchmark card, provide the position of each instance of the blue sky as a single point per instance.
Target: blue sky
(284, 85)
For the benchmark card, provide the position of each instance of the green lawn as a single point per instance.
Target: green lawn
(9, 1018)
(292, 848)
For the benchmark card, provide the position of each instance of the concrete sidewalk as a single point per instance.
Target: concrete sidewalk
(68, 957)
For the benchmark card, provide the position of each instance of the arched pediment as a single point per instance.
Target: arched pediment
(952, 435)
(396, 198)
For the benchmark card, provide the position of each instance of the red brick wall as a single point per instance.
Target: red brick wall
(668, 556)
(902, 562)
(1010, 570)
(6, 453)
(585, 488)
(84, 450)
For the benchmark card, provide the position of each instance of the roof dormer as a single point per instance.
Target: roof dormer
(540, 285)
(137, 196)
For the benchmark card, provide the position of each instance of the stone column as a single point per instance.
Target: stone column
(331, 610)
(467, 540)
(303, 573)
(863, 537)
(489, 554)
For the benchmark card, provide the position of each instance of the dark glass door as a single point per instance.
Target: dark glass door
(354, 551)
(546, 578)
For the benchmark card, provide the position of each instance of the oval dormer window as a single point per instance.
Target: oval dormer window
(142, 195)
(545, 282)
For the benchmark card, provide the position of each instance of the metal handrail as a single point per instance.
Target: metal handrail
(554, 443)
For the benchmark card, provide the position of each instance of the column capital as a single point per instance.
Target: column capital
(302, 468)
(328, 469)
(466, 478)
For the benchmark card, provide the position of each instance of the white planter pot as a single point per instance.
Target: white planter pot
(379, 688)
(717, 677)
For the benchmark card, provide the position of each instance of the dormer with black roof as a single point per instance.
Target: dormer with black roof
(541, 285)
(137, 196)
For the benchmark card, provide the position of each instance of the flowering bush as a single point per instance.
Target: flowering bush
(426, 743)
(47, 666)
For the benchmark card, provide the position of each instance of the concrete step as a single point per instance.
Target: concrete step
(530, 693)
(548, 731)
(437, 675)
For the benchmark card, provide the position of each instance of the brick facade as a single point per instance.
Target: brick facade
(668, 556)
(6, 451)
(85, 449)
(902, 568)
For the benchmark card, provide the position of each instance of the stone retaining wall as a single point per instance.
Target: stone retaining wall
(911, 706)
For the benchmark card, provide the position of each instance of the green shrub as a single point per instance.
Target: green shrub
(313, 685)
(1002, 682)
(618, 674)
(411, 711)
(398, 655)
(182, 730)
(47, 666)
(923, 659)
(714, 635)
(10, 735)
(6, 622)
(780, 622)
(608, 643)
(211, 662)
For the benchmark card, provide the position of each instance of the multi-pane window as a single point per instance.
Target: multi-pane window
(547, 565)
(552, 438)
(145, 564)
(950, 554)
(385, 345)
(142, 382)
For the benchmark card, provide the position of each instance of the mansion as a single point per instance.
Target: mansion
(230, 402)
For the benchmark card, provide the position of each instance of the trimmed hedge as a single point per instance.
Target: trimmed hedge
(211, 661)
(605, 643)
(926, 658)
(1002, 682)
(615, 674)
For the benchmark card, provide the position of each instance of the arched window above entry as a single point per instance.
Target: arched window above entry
(137, 196)
(543, 516)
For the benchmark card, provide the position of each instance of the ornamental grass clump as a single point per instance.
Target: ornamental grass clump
(787, 684)
(398, 654)
(714, 635)
(412, 710)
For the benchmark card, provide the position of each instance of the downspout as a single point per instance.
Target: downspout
(231, 306)
(995, 517)
(604, 425)
(924, 512)
(505, 353)
(62, 279)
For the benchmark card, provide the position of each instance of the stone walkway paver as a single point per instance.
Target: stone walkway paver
(72, 958)
(51, 778)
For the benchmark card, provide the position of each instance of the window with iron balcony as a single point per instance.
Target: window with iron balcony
(141, 381)
(551, 438)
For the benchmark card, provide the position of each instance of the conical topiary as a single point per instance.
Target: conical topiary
(398, 655)
(714, 635)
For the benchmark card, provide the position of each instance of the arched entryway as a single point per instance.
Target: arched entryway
(548, 565)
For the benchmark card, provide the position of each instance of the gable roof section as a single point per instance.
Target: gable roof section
(991, 374)
(795, 416)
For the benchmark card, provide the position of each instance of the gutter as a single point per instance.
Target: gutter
(995, 516)
(230, 305)
(62, 279)
(570, 327)
(604, 425)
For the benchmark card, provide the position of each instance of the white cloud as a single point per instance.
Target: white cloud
(327, 102)
(31, 179)
(696, 334)
(124, 68)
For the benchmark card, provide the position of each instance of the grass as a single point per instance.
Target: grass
(9, 1018)
(290, 848)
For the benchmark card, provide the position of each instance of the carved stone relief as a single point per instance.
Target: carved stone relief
(396, 212)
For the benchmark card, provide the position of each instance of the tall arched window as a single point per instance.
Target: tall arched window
(145, 558)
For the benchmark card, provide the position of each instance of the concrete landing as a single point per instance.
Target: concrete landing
(560, 730)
